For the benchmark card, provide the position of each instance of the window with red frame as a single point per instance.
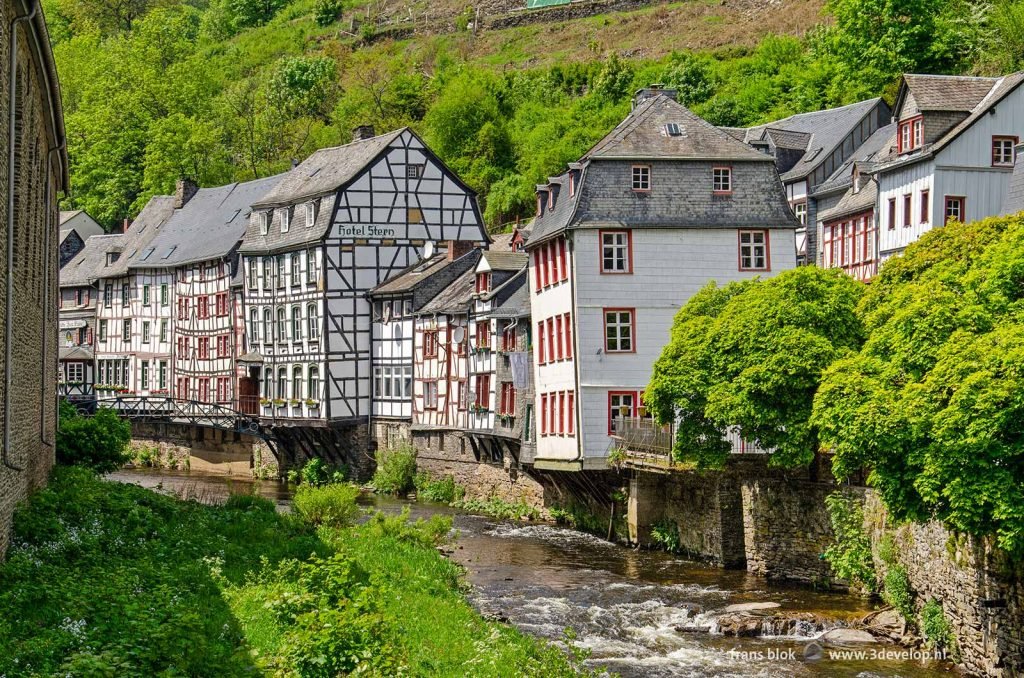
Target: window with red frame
(551, 340)
(509, 342)
(911, 134)
(203, 307)
(925, 206)
(483, 283)
(430, 395)
(540, 342)
(618, 330)
(460, 348)
(204, 389)
(538, 284)
(222, 303)
(571, 405)
(204, 348)
(544, 266)
(222, 346)
(907, 217)
(463, 387)
(223, 389)
(543, 414)
(483, 334)
(561, 413)
(559, 339)
(955, 207)
(508, 399)
(553, 275)
(563, 271)
(892, 214)
(567, 329)
(483, 391)
(430, 344)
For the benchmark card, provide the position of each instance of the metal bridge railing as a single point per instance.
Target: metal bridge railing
(646, 443)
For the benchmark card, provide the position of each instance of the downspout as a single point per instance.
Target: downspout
(46, 307)
(5, 456)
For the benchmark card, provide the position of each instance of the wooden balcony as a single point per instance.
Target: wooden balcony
(649, 445)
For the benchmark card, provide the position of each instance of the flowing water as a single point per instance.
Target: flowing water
(640, 613)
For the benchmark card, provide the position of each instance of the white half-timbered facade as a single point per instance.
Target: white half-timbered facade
(657, 209)
(338, 225)
(133, 315)
(77, 321)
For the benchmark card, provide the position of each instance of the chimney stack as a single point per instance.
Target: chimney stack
(654, 90)
(125, 225)
(185, 189)
(457, 248)
(363, 132)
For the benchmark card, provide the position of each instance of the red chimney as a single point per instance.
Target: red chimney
(456, 248)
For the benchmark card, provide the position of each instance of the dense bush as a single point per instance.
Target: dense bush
(750, 355)
(897, 592)
(938, 632)
(99, 442)
(443, 491)
(850, 554)
(318, 472)
(396, 470)
(331, 505)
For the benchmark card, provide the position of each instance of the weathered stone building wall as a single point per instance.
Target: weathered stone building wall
(979, 589)
(28, 293)
(180, 446)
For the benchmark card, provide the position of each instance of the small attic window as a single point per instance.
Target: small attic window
(264, 222)
(146, 253)
(315, 172)
(169, 252)
(310, 213)
(812, 155)
(112, 257)
(674, 129)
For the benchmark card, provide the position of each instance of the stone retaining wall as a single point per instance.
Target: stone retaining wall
(178, 446)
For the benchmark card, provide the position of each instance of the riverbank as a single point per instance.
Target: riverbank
(106, 578)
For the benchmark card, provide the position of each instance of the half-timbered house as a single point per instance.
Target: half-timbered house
(77, 320)
(395, 303)
(662, 205)
(953, 154)
(133, 315)
(339, 224)
(198, 246)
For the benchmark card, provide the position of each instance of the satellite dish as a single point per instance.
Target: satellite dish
(459, 335)
(387, 314)
(428, 249)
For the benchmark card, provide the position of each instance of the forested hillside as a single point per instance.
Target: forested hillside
(222, 90)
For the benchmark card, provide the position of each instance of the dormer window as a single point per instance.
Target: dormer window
(551, 200)
(1002, 151)
(264, 222)
(911, 134)
(483, 283)
(674, 129)
(310, 213)
(286, 220)
(641, 177)
(721, 180)
(572, 184)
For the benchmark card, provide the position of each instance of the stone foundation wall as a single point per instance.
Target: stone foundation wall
(980, 592)
(177, 446)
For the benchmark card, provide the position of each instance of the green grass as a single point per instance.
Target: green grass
(110, 579)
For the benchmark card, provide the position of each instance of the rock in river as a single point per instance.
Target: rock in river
(751, 607)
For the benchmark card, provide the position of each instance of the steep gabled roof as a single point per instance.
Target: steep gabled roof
(944, 92)
(85, 227)
(326, 170)
(88, 264)
(455, 298)
(209, 226)
(874, 149)
(643, 135)
(426, 279)
(133, 242)
(853, 202)
(517, 305)
(505, 261)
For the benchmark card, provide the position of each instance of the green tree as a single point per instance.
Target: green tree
(750, 355)
(99, 442)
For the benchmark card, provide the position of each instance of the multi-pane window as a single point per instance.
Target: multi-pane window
(204, 348)
(618, 330)
(509, 342)
(430, 344)
(463, 387)
(296, 269)
(268, 326)
(145, 295)
(800, 210)
(413, 171)
(507, 405)
(250, 265)
(286, 219)
(280, 271)
(161, 375)
(312, 322)
(483, 283)
(1002, 151)
(126, 331)
(310, 266)
(76, 373)
(641, 177)
(296, 323)
(955, 208)
(721, 180)
(108, 294)
(615, 252)
(430, 395)
(223, 346)
(483, 334)
(125, 295)
(620, 405)
(392, 382)
(268, 272)
(202, 307)
(165, 295)
(753, 250)
(254, 326)
(282, 383)
(282, 325)
(145, 331)
(101, 330)
(483, 391)
(911, 134)
(310, 213)
(144, 377)
(297, 382)
(314, 382)
(223, 389)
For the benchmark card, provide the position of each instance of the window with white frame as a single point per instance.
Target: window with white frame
(310, 213)
(126, 331)
(313, 390)
(76, 372)
(101, 330)
(264, 218)
(721, 180)
(615, 252)
(312, 322)
(620, 406)
(430, 395)
(282, 325)
(641, 177)
(296, 263)
(296, 323)
(392, 382)
(800, 210)
(297, 382)
(955, 208)
(268, 326)
(1002, 151)
(145, 331)
(254, 326)
(280, 274)
(286, 219)
(753, 250)
(618, 330)
(413, 171)
(310, 266)
(253, 276)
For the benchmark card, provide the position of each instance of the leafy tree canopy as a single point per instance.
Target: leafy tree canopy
(750, 355)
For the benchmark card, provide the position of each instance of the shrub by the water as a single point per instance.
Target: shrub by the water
(442, 491)
(396, 470)
(331, 505)
(896, 591)
(938, 632)
(99, 442)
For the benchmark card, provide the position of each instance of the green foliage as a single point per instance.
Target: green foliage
(496, 507)
(850, 554)
(665, 534)
(317, 472)
(617, 457)
(331, 505)
(887, 549)
(427, 533)
(249, 502)
(932, 402)
(938, 632)
(396, 470)
(442, 491)
(579, 517)
(896, 591)
(327, 12)
(750, 355)
(99, 442)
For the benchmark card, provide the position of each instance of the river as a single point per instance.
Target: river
(630, 608)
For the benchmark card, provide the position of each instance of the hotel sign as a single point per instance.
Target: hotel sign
(72, 324)
(365, 231)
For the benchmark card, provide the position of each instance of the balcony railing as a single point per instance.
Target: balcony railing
(646, 443)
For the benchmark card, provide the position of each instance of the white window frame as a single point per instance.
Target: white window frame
(641, 178)
(264, 218)
(721, 180)
(615, 247)
(623, 334)
(748, 254)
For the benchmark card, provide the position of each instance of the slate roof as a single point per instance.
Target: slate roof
(874, 149)
(853, 203)
(506, 261)
(642, 135)
(548, 223)
(209, 226)
(425, 280)
(999, 88)
(87, 265)
(1015, 196)
(946, 92)
(517, 305)
(85, 230)
(74, 353)
(455, 298)
(68, 214)
(140, 234)
(325, 170)
(819, 131)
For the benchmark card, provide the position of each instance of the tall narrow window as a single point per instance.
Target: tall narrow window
(161, 375)
(254, 326)
(925, 206)
(907, 218)
(124, 294)
(250, 266)
(296, 323)
(540, 343)
(310, 266)
(430, 395)
(754, 251)
(313, 322)
(101, 331)
(618, 330)
(571, 423)
(282, 383)
(430, 344)
(296, 264)
(145, 331)
(892, 213)
(286, 219)
(310, 213)
(616, 254)
(268, 326)
(126, 331)
(297, 383)
(282, 325)
(280, 275)
(264, 218)
(314, 383)
(145, 295)
(144, 385)
(641, 177)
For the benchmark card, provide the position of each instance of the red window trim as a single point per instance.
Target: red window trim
(461, 395)
(608, 409)
(1004, 137)
(719, 192)
(925, 206)
(629, 251)
(909, 125)
(540, 342)
(483, 391)
(908, 209)
(536, 271)
(554, 273)
(559, 338)
(483, 282)
(483, 334)
(892, 214)
(571, 397)
(650, 178)
(545, 266)
(544, 414)
(567, 328)
(430, 342)
(562, 270)
(963, 206)
(632, 325)
(551, 339)
(561, 413)
(767, 249)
